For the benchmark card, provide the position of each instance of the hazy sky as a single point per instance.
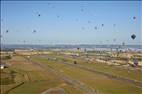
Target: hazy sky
(71, 22)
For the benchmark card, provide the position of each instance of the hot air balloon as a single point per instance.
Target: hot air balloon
(34, 31)
(24, 41)
(101, 42)
(114, 25)
(1, 20)
(82, 10)
(38, 14)
(82, 28)
(76, 19)
(85, 50)
(78, 48)
(133, 36)
(89, 22)
(134, 17)
(53, 6)
(7, 31)
(123, 43)
(48, 3)
(114, 40)
(95, 27)
(58, 16)
(107, 40)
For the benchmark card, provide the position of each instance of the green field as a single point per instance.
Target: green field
(98, 82)
(36, 79)
(57, 74)
(102, 67)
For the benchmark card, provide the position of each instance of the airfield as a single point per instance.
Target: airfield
(71, 72)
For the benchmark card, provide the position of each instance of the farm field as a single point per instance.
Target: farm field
(105, 68)
(95, 80)
(56, 73)
(34, 79)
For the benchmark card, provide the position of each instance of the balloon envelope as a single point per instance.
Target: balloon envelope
(114, 40)
(82, 28)
(34, 31)
(114, 25)
(134, 17)
(95, 27)
(78, 48)
(133, 36)
(89, 22)
(82, 10)
(123, 43)
(7, 31)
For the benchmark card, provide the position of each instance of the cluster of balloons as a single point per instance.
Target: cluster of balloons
(133, 36)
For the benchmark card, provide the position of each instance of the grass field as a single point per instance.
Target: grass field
(52, 74)
(101, 83)
(102, 67)
(36, 80)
